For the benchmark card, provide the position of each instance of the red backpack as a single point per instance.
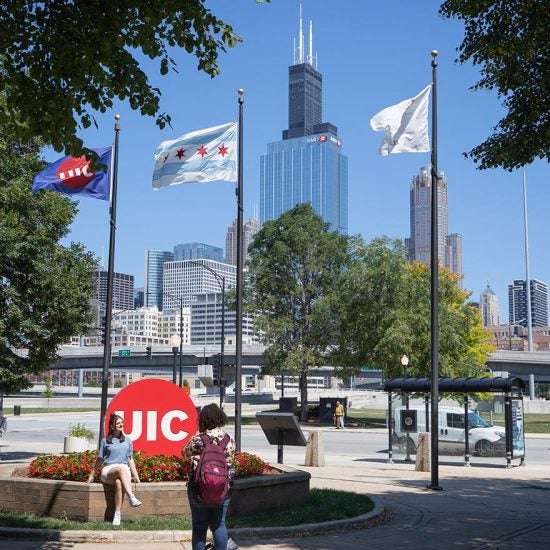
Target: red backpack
(212, 472)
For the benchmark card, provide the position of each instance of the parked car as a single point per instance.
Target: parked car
(484, 438)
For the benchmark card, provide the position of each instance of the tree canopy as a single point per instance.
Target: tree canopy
(383, 310)
(296, 264)
(45, 288)
(61, 61)
(369, 291)
(463, 343)
(509, 40)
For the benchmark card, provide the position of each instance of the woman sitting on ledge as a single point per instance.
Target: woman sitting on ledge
(115, 455)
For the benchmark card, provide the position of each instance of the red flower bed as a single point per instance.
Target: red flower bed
(247, 464)
(77, 466)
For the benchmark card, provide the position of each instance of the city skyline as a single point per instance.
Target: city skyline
(485, 207)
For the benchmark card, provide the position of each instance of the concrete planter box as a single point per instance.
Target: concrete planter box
(95, 502)
(72, 444)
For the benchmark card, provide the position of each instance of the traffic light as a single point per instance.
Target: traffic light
(149, 352)
(216, 360)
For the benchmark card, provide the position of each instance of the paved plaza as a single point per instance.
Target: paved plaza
(480, 507)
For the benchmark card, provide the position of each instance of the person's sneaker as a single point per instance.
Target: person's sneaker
(134, 502)
(209, 546)
(116, 518)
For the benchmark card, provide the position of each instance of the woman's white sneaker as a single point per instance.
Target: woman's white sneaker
(116, 518)
(134, 502)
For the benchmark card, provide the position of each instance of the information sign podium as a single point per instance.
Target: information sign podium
(281, 428)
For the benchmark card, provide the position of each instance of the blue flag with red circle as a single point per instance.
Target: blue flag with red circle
(74, 176)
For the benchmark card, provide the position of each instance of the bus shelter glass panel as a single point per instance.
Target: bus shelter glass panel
(518, 434)
(484, 439)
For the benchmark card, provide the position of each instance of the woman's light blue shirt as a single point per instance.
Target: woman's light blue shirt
(116, 452)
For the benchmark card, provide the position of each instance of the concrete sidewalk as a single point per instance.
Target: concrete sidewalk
(480, 507)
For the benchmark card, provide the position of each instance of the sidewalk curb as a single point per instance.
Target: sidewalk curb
(376, 516)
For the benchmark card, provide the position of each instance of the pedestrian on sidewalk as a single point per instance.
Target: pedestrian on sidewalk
(117, 464)
(339, 415)
(211, 421)
(3, 423)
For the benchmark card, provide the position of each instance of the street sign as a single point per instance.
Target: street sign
(124, 352)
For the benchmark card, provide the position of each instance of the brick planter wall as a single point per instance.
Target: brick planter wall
(95, 502)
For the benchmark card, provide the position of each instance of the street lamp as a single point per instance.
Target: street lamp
(405, 363)
(180, 299)
(175, 341)
(220, 279)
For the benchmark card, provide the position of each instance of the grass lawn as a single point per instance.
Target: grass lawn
(376, 418)
(323, 505)
(532, 423)
(43, 410)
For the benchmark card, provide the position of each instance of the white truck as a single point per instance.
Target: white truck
(484, 438)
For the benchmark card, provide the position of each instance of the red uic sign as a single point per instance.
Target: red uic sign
(159, 417)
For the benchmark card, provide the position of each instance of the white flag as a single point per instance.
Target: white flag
(405, 125)
(198, 157)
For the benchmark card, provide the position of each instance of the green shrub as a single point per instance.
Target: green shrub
(79, 430)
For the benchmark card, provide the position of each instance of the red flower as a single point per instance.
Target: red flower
(77, 466)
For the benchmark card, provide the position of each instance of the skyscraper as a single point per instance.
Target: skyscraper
(307, 165)
(197, 251)
(206, 321)
(123, 289)
(449, 247)
(489, 308)
(250, 228)
(517, 303)
(185, 278)
(154, 269)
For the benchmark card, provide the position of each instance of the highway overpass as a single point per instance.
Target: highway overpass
(515, 363)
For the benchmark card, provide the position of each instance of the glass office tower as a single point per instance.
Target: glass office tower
(154, 269)
(308, 164)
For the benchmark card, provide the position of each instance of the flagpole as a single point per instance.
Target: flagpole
(109, 299)
(434, 289)
(239, 313)
(527, 271)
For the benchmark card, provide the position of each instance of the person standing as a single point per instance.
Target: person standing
(339, 415)
(211, 421)
(3, 423)
(117, 465)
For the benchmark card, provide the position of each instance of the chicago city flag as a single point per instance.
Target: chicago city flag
(405, 125)
(73, 176)
(198, 157)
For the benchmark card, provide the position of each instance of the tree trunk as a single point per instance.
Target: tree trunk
(303, 394)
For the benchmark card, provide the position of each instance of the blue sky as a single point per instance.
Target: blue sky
(371, 55)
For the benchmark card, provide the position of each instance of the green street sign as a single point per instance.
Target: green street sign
(124, 352)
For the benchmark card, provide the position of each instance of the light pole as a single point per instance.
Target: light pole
(220, 279)
(180, 299)
(175, 341)
(405, 363)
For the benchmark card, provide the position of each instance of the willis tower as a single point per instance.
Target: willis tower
(307, 165)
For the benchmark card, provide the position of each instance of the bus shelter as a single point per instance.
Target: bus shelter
(458, 429)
